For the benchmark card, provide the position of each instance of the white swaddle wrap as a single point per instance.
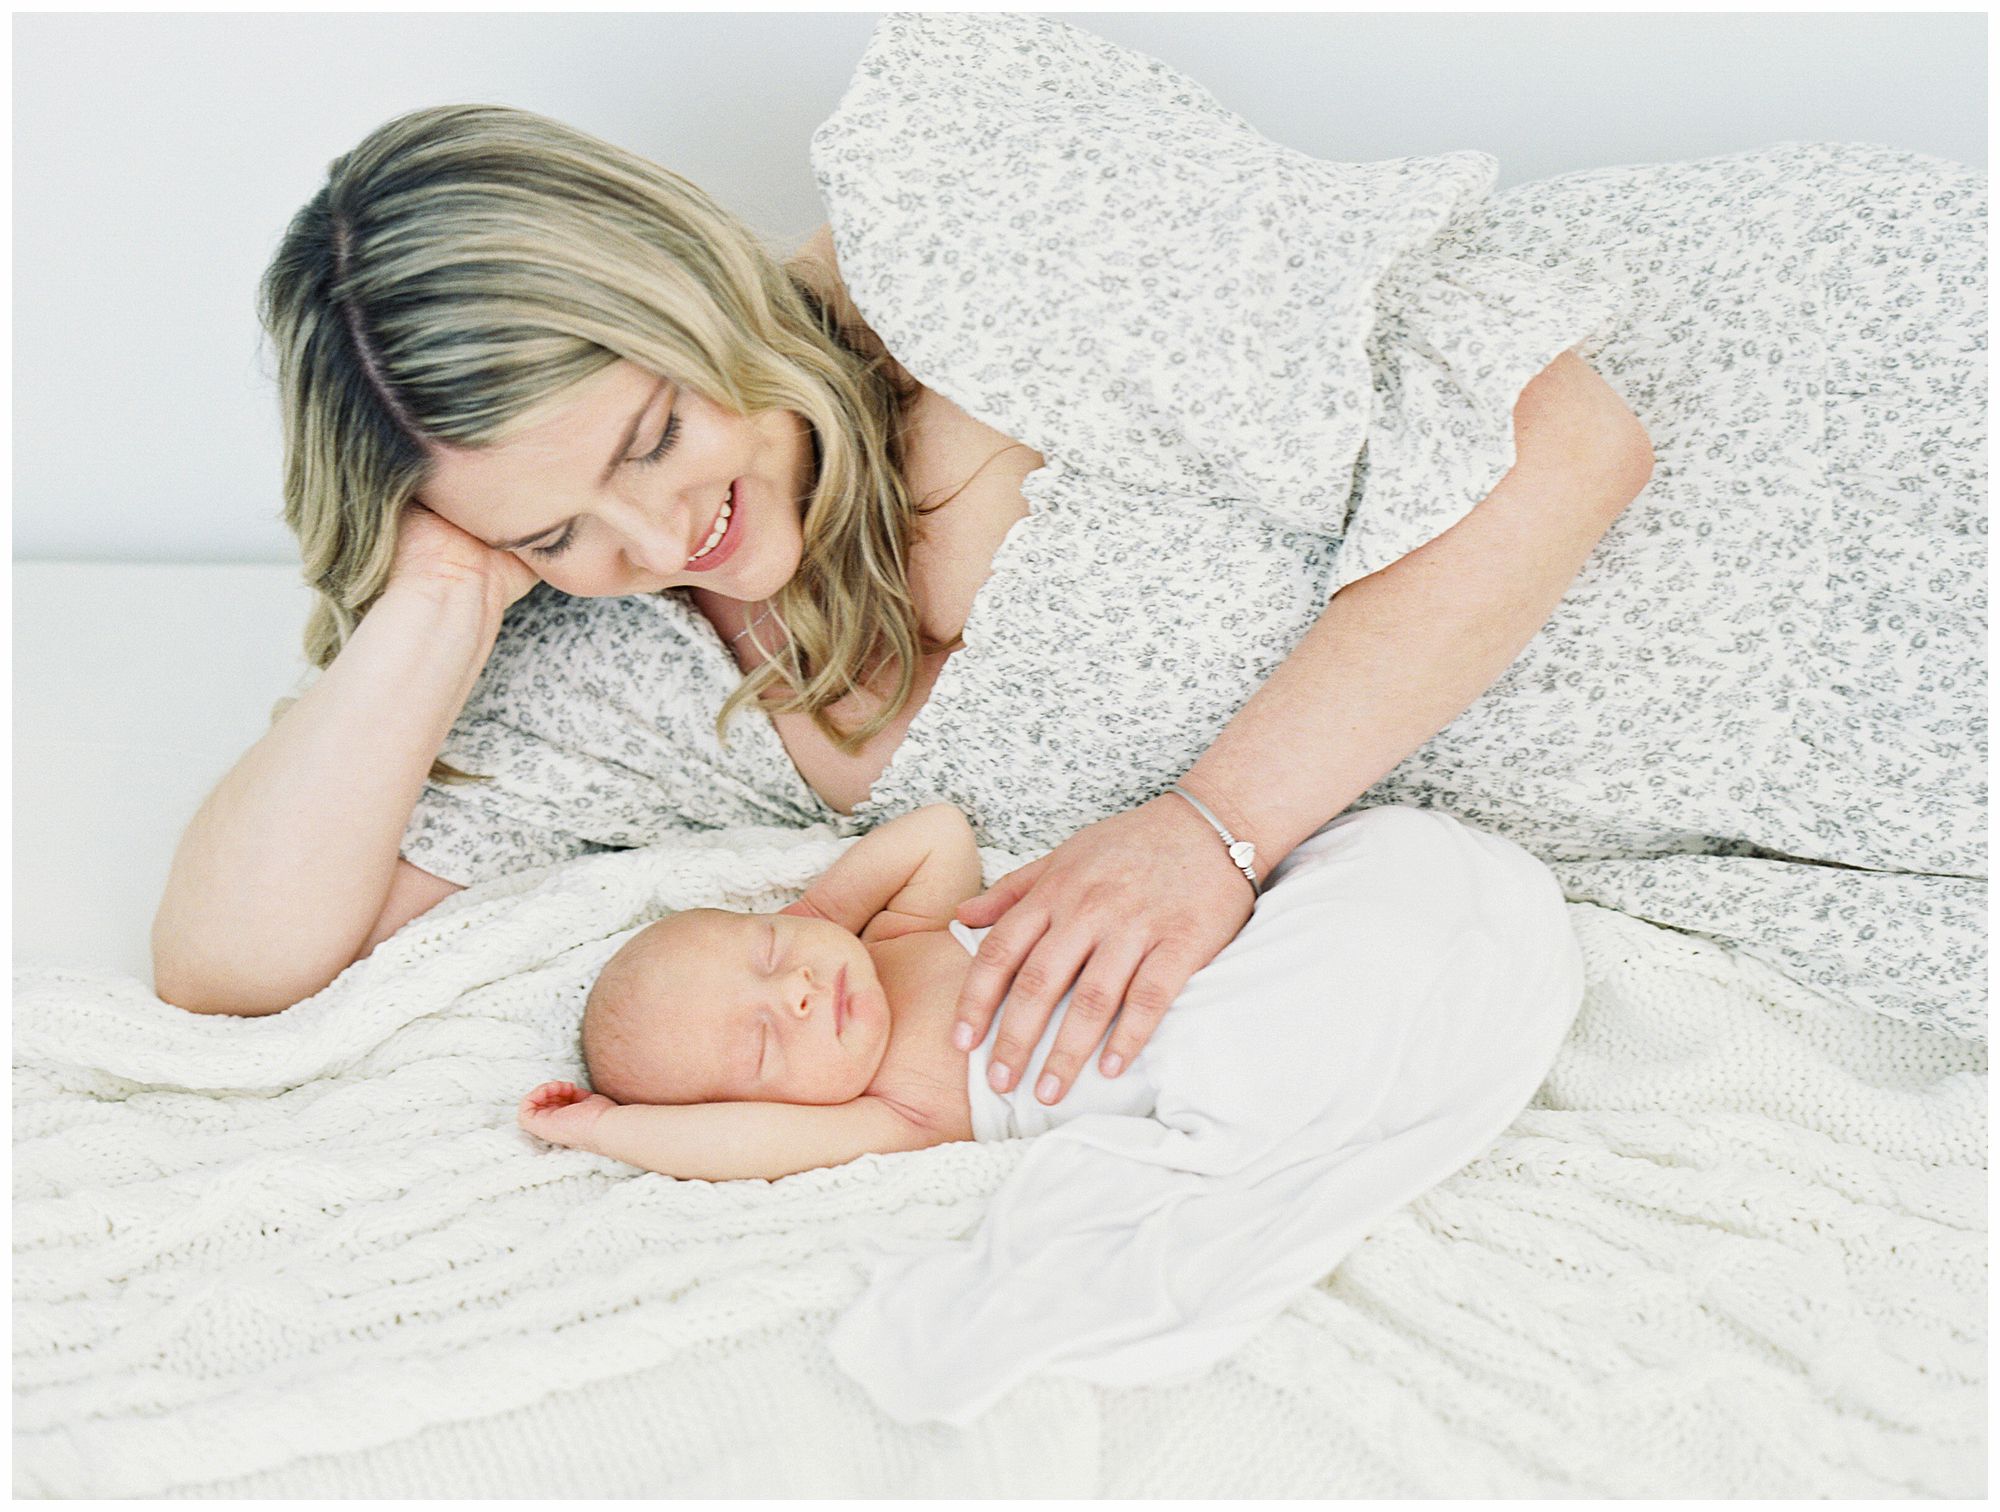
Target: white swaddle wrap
(1393, 1002)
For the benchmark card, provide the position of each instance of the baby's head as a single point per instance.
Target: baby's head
(712, 1006)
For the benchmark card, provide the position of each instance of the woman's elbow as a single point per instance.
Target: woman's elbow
(180, 980)
(1633, 451)
(197, 997)
(1570, 422)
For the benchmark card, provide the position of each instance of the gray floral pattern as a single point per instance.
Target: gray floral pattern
(1258, 377)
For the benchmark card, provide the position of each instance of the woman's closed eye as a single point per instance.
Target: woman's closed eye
(668, 436)
(559, 545)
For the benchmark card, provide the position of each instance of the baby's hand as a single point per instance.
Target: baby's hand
(563, 1113)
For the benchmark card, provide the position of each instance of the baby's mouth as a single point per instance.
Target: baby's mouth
(840, 1002)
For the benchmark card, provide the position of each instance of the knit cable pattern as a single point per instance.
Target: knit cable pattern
(1735, 1247)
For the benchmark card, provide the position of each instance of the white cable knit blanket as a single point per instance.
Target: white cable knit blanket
(1736, 1247)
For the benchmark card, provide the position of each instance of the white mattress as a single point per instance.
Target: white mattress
(136, 686)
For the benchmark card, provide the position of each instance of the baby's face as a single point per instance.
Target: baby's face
(757, 1008)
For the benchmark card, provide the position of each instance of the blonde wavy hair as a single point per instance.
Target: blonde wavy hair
(464, 265)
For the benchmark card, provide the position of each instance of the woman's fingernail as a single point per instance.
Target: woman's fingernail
(962, 1036)
(1113, 1064)
(1048, 1087)
(998, 1076)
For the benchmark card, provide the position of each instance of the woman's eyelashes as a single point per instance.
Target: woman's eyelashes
(668, 436)
(559, 545)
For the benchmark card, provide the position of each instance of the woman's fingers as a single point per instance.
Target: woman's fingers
(1159, 980)
(1039, 984)
(991, 972)
(979, 912)
(1133, 886)
(1092, 1006)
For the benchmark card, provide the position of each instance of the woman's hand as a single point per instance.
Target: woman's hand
(1136, 903)
(563, 1113)
(431, 551)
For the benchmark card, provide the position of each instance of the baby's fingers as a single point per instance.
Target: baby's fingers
(552, 1094)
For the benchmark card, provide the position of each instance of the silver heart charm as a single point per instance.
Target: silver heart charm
(1243, 853)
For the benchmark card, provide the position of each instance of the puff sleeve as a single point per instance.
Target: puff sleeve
(1078, 245)
(593, 723)
(1457, 333)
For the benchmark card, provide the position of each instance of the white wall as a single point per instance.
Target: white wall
(158, 157)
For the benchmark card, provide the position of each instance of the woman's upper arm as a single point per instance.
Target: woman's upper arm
(412, 891)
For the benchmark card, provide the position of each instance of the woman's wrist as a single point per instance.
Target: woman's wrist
(443, 625)
(1243, 826)
(475, 604)
(1242, 853)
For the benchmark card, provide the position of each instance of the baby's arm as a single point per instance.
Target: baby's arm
(722, 1141)
(910, 874)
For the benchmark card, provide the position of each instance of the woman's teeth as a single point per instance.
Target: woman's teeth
(715, 536)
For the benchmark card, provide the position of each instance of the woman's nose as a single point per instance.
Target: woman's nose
(655, 547)
(654, 536)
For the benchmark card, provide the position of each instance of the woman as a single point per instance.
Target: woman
(1163, 457)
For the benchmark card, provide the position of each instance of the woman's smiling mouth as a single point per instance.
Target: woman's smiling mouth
(723, 535)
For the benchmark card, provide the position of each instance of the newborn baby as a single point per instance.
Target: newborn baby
(725, 1045)
(1393, 1001)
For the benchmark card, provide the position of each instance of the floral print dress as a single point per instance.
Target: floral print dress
(1257, 377)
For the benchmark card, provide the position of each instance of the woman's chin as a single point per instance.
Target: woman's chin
(762, 581)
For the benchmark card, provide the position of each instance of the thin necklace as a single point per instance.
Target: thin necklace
(755, 623)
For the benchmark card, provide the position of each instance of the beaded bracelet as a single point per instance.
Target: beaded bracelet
(1241, 852)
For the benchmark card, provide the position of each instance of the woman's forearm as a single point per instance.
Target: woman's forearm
(1400, 654)
(286, 865)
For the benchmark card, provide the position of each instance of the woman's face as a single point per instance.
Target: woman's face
(620, 487)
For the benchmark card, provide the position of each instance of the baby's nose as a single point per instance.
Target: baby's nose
(799, 992)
